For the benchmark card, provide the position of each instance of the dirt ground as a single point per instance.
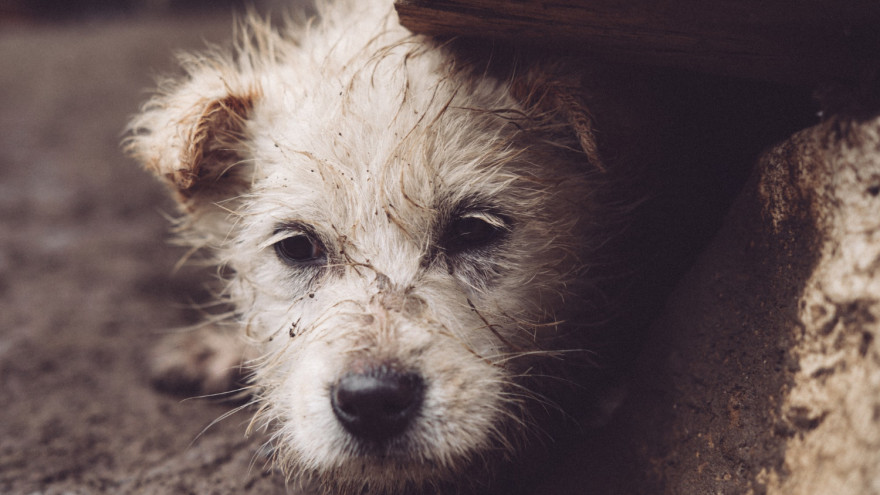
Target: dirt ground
(86, 283)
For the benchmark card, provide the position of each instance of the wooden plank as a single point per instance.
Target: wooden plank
(798, 42)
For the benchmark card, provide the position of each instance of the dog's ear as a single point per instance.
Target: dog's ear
(193, 136)
(559, 94)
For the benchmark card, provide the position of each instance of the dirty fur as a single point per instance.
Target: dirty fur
(374, 202)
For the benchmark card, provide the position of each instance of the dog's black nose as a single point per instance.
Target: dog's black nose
(378, 403)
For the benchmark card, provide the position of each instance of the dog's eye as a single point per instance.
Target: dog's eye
(474, 231)
(300, 249)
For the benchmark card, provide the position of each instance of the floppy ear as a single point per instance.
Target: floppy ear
(193, 136)
(552, 91)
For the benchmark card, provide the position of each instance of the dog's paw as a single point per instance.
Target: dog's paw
(202, 362)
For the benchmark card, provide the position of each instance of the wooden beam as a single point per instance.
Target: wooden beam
(800, 42)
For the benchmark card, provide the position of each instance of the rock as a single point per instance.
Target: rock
(763, 376)
(830, 175)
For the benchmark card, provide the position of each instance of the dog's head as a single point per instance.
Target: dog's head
(408, 245)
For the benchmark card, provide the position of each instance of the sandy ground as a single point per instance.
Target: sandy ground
(86, 283)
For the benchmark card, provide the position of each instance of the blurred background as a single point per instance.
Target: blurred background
(17, 10)
(87, 277)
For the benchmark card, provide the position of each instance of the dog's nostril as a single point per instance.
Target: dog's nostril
(377, 404)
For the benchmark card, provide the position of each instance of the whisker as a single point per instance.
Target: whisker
(217, 420)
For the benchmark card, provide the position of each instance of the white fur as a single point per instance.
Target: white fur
(373, 138)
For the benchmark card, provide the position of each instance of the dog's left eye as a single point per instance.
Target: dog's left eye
(474, 231)
(300, 249)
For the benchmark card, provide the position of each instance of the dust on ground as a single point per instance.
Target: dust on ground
(86, 282)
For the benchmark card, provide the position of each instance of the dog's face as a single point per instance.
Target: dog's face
(402, 249)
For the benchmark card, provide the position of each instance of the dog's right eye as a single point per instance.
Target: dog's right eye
(300, 249)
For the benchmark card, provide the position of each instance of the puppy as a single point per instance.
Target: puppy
(414, 245)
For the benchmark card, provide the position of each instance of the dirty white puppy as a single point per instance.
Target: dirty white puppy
(406, 239)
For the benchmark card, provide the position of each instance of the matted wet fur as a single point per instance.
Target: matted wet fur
(415, 248)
